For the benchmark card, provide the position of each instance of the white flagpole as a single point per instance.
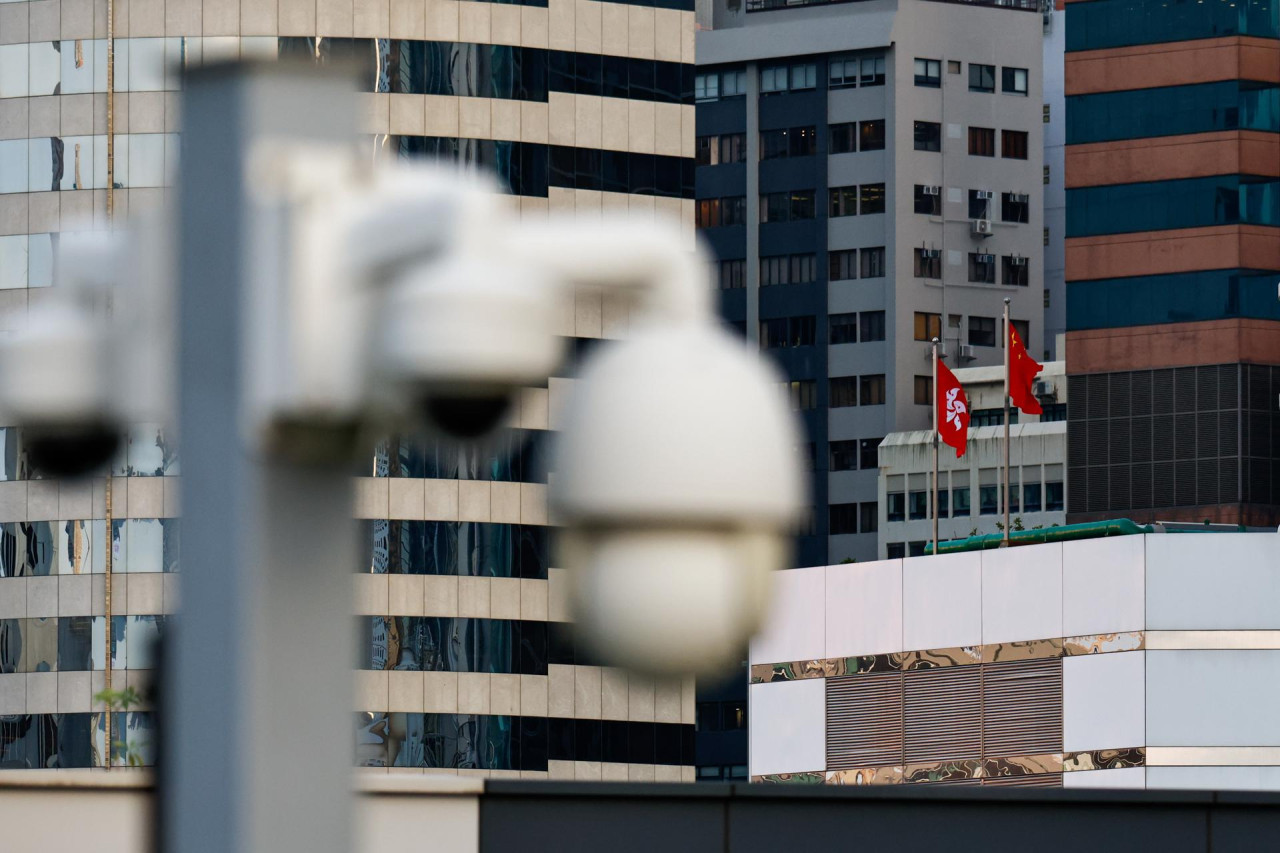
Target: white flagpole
(936, 428)
(1005, 543)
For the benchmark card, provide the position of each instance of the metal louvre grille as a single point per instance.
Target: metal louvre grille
(1119, 396)
(1022, 707)
(1184, 432)
(1098, 442)
(864, 721)
(1076, 489)
(1206, 434)
(1184, 389)
(1140, 439)
(943, 713)
(1076, 403)
(1207, 481)
(1185, 483)
(1119, 441)
(1039, 780)
(1162, 391)
(1096, 395)
(1228, 386)
(1119, 487)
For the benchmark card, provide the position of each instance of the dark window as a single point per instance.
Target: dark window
(928, 136)
(982, 331)
(803, 394)
(733, 148)
(988, 500)
(895, 506)
(918, 505)
(982, 141)
(923, 390)
(1053, 497)
(708, 215)
(916, 548)
(873, 71)
(707, 151)
(842, 72)
(1053, 412)
(844, 455)
(786, 206)
(943, 511)
(787, 332)
(895, 550)
(842, 264)
(982, 78)
(927, 326)
(1014, 270)
(1023, 327)
(928, 263)
(869, 517)
(733, 210)
(960, 502)
(869, 453)
(1031, 497)
(733, 274)
(871, 390)
(872, 265)
(871, 326)
(775, 270)
(1013, 144)
(979, 204)
(844, 201)
(982, 269)
(871, 135)
(790, 142)
(1015, 207)
(991, 417)
(801, 204)
(843, 391)
(843, 138)
(803, 269)
(928, 200)
(872, 199)
(1013, 80)
(843, 328)
(928, 72)
(844, 519)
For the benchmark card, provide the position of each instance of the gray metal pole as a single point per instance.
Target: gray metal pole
(1005, 542)
(258, 751)
(936, 427)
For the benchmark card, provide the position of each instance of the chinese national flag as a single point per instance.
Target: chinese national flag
(1022, 373)
(952, 414)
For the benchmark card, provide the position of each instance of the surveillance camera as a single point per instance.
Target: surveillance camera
(677, 491)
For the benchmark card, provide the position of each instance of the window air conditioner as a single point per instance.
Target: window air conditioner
(966, 351)
(985, 195)
(932, 190)
(982, 227)
(986, 259)
(930, 254)
(1022, 198)
(1018, 261)
(1042, 388)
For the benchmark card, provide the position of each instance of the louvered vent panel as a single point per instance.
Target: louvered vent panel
(1161, 438)
(1259, 480)
(864, 721)
(1185, 483)
(1099, 435)
(1118, 396)
(1140, 391)
(1039, 780)
(1184, 389)
(1022, 707)
(943, 713)
(1184, 436)
(1077, 489)
(1119, 442)
(1228, 433)
(1161, 391)
(1162, 476)
(1258, 442)
(1228, 480)
(1228, 386)
(1259, 380)
(1119, 488)
(1140, 485)
(1140, 439)
(1207, 481)
(1206, 435)
(1207, 388)
(1077, 404)
(1077, 442)
(1099, 498)
(1096, 395)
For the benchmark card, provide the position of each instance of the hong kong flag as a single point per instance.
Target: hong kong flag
(952, 415)
(1022, 375)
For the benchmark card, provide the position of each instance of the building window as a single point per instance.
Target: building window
(773, 79)
(916, 548)
(1031, 497)
(871, 135)
(873, 262)
(843, 328)
(982, 331)
(789, 142)
(895, 506)
(804, 77)
(869, 517)
(923, 390)
(871, 390)
(842, 72)
(843, 519)
(1053, 497)
(804, 269)
(844, 455)
(725, 148)
(788, 332)
(733, 210)
(774, 269)
(844, 201)
(783, 78)
(928, 263)
(895, 550)
(872, 71)
(1016, 207)
(842, 264)
(803, 394)
(928, 73)
(979, 204)
(1053, 411)
(843, 138)
(982, 141)
(1023, 328)
(871, 326)
(1014, 270)
(982, 270)
(869, 453)
(943, 511)
(1013, 144)
(988, 500)
(707, 152)
(928, 326)
(953, 66)
(733, 274)
(1014, 80)
(928, 136)
(786, 206)
(991, 417)
(708, 213)
(872, 199)
(706, 87)
(843, 391)
(928, 200)
(960, 503)
(918, 505)
(982, 78)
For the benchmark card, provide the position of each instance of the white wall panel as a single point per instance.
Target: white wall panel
(794, 628)
(1102, 585)
(1102, 701)
(942, 601)
(864, 608)
(788, 727)
(1021, 594)
(1213, 698)
(1215, 778)
(1121, 777)
(1213, 581)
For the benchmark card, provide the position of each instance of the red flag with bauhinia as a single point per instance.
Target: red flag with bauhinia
(1022, 375)
(952, 410)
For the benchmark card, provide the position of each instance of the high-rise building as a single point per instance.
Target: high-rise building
(467, 664)
(1055, 199)
(1172, 258)
(870, 178)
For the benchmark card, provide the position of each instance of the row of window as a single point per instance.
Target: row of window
(1172, 298)
(801, 331)
(1014, 269)
(982, 140)
(1171, 110)
(853, 200)
(955, 502)
(498, 742)
(461, 644)
(846, 519)
(844, 138)
(1162, 205)
(842, 264)
(1014, 207)
(982, 78)
(78, 547)
(461, 548)
(1120, 23)
(788, 269)
(854, 454)
(77, 643)
(60, 741)
(509, 456)
(866, 390)
(530, 168)
(727, 716)
(720, 149)
(927, 326)
(844, 72)
(145, 449)
(714, 212)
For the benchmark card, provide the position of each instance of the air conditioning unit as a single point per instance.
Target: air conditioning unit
(986, 259)
(929, 254)
(966, 352)
(1022, 198)
(982, 227)
(1042, 388)
(932, 190)
(985, 195)
(1018, 261)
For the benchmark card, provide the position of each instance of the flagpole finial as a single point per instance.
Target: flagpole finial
(1007, 300)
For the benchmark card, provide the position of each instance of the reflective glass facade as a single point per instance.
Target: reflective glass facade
(1175, 298)
(462, 548)
(76, 547)
(76, 643)
(509, 456)
(1115, 23)
(1172, 110)
(52, 741)
(1162, 205)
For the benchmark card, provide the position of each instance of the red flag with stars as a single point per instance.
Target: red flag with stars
(1022, 374)
(952, 414)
